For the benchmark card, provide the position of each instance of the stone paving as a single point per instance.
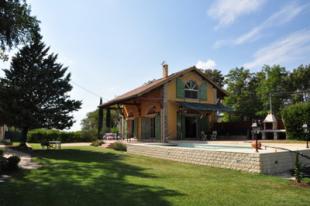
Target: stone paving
(25, 159)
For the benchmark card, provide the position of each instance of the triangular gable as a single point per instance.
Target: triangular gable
(139, 91)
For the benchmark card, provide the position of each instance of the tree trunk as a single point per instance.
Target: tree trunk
(24, 136)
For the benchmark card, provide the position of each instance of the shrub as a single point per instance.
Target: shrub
(294, 117)
(3, 163)
(6, 142)
(114, 130)
(44, 135)
(97, 143)
(9, 164)
(13, 135)
(118, 146)
(12, 163)
(89, 135)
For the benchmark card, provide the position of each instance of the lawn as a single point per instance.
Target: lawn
(97, 176)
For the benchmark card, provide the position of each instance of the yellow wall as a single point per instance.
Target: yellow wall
(172, 106)
(153, 99)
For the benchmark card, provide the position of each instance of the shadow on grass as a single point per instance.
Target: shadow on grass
(77, 177)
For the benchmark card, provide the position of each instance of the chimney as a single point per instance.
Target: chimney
(165, 70)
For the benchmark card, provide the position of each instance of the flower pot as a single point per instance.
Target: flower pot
(259, 145)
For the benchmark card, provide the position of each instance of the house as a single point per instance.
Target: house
(175, 107)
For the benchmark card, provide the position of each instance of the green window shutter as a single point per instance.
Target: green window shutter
(157, 127)
(180, 126)
(203, 91)
(179, 88)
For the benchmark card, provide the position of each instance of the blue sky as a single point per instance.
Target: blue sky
(112, 46)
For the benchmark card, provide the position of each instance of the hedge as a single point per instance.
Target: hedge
(39, 135)
(294, 117)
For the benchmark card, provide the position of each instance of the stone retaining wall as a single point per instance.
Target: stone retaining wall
(267, 163)
(278, 162)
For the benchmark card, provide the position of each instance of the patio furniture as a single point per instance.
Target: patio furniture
(57, 144)
(51, 145)
(213, 135)
(204, 136)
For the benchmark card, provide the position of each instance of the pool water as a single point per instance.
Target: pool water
(213, 147)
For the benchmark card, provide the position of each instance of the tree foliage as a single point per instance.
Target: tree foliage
(216, 76)
(34, 91)
(250, 93)
(299, 82)
(272, 83)
(16, 23)
(90, 123)
(294, 117)
(241, 85)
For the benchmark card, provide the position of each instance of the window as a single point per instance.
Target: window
(191, 89)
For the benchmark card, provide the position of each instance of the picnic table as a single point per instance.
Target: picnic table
(57, 144)
(52, 144)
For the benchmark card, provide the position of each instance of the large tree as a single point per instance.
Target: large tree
(35, 90)
(241, 86)
(273, 84)
(299, 83)
(216, 76)
(16, 24)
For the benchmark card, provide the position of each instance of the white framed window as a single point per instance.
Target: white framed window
(191, 89)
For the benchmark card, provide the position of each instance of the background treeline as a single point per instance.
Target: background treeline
(250, 94)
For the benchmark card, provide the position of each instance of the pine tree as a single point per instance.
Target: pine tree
(34, 91)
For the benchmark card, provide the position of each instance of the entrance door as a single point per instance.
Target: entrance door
(148, 128)
(191, 127)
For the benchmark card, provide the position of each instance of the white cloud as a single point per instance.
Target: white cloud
(209, 64)
(293, 47)
(227, 11)
(281, 17)
(286, 14)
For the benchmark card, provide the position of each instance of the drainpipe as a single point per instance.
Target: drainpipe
(164, 115)
(164, 110)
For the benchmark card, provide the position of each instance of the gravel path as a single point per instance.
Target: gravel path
(75, 144)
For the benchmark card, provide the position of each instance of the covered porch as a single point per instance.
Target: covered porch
(195, 120)
(140, 116)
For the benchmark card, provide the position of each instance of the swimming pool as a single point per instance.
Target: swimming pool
(232, 156)
(213, 147)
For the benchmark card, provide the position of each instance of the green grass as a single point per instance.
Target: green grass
(97, 176)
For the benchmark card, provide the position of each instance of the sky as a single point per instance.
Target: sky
(112, 46)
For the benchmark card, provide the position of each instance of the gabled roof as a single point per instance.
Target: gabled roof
(270, 118)
(139, 91)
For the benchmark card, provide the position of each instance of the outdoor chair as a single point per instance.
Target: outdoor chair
(204, 136)
(213, 135)
(46, 145)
